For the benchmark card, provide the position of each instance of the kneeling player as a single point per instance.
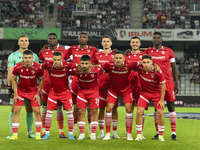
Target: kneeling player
(28, 72)
(60, 92)
(150, 83)
(88, 92)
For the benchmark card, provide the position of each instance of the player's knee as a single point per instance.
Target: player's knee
(129, 110)
(139, 112)
(160, 113)
(109, 109)
(37, 112)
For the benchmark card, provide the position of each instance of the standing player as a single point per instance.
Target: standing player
(13, 59)
(77, 51)
(135, 55)
(119, 71)
(164, 56)
(106, 55)
(46, 55)
(88, 92)
(59, 72)
(150, 83)
(28, 72)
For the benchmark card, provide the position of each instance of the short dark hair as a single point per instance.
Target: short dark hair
(57, 53)
(106, 36)
(83, 33)
(135, 37)
(85, 58)
(146, 57)
(157, 33)
(23, 35)
(119, 52)
(28, 52)
(52, 34)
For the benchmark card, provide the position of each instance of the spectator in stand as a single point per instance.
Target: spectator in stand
(192, 80)
(73, 24)
(196, 23)
(168, 23)
(163, 23)
(187, 69)
(187, 24)
(78, 23)
(3, 86)
(196, 63)
(51, 8)
(159, 26)
(61, 3)
(144, 21)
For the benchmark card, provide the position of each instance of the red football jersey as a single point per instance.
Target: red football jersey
(27, 76)
(150, 81)
(90, 80)
(59, 77)
(119, 76)
(77, 52)
(134, 78)
(101, 58)
(47, 56)
(162, 57)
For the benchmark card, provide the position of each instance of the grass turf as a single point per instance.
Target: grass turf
(188, 134)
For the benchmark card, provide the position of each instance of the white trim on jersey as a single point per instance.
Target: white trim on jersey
(21, 98)
(112, 95)
(52, 100)
(44, 92)
(102, 98)
(144, 99)
(73, 92)
(162, 82)
(81, 99)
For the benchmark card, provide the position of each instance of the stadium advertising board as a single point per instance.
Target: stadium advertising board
(94, 35)
(1, 33)
(37, 34)
(143, 34)
(187, 35)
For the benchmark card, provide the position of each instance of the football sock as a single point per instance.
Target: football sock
(48, 120)
(94, 125)
(172, 117)
(44, 111)
(29, 121)
(38, 126)
(15, 127)
(10, 121)
(70, 121)
(114, 124)
(60, 118)
(129, 118)
(139, 129)
(81, 125)
(101, 124)
(156, 121)
(161, 130)
(108, 120)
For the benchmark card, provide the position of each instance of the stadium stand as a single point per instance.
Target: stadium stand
(22, 13)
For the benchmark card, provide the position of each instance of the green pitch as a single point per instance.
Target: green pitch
(188, 133)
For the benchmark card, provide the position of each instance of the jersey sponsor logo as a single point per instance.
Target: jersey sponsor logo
(86, 80)
(103, 61)
(146, 78)
(48, 58)
(161, 57)
(33, 71)
(27, 77)
(76, 55)
(163, 52)
(119, 72)
(56, 75)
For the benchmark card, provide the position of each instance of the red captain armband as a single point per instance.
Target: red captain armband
(38, 93)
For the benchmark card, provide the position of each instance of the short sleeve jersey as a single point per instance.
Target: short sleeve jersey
(101, 58)
(119, 76)
(163, 57)
(58, 76)
(27, 76)
(150, 80)
(47, 56)
(16, 57)
(89, 80)
(77, 52)
(134, 78)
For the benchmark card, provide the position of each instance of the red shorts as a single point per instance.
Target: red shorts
(112, 96)
(103, 98)
(136, 94)
(64, 97)
(145, 99)
(90, 96)
(169, 94)
(29, 96)
(45, 90)
(74, 88)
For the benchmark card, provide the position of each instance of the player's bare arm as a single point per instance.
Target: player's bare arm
(175, 75)
(161, 102)
(14, 84)
(157, 68)
(37, 95)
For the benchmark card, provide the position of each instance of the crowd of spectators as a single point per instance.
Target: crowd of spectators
(168, 14)
(101, 14)
(22, 13)
(190, 64)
